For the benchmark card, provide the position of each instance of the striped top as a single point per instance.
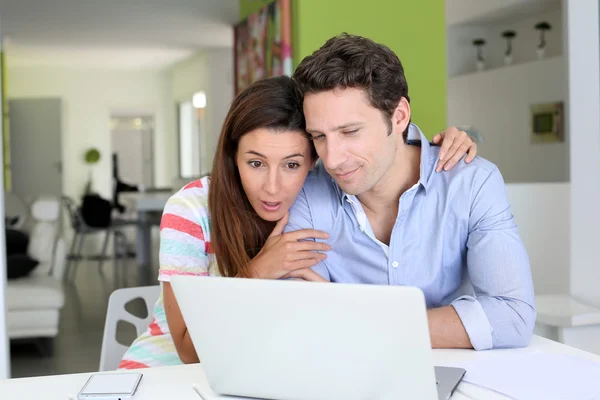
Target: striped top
(184, 250)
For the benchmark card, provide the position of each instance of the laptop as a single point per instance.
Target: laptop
(295, 340)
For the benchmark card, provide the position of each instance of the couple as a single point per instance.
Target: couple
(375, 209)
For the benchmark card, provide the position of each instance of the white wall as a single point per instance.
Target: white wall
(220, 94)
(212, 72)
(583, 50)
(188, 77)
(497, 103)
(542, 214)
(461, 52)
(89, 97)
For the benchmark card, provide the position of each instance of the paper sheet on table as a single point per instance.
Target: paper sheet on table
(537, 376)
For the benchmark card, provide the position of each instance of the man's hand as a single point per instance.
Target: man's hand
(454, 145)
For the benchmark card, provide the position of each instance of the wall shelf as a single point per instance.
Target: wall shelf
(488, 20)
(504, 68)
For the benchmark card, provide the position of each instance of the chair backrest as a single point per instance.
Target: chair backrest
(43, 236)
(112, 351)
(74, 213)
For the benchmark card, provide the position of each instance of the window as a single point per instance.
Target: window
(190, 130)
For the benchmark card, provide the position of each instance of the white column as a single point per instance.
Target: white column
(583, 116)
(4, 345)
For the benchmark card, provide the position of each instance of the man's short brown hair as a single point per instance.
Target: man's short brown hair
(350, 61)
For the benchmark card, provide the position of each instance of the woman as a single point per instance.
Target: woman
(261, 162)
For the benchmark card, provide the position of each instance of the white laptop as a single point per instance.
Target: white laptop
(292, 340)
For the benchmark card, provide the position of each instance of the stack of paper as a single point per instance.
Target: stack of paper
(537, 376)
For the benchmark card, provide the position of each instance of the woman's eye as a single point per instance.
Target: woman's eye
(255, 164)
(292, 165)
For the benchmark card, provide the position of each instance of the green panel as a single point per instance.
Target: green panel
(415, 30)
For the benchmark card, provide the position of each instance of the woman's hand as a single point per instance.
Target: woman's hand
(454, 145)
(284, 253)
(306, 274)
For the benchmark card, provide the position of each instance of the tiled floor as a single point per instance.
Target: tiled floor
(77, 347)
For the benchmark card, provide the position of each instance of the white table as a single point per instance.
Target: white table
(176, 382)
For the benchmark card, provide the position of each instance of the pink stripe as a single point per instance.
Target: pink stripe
(126, 364)
(154, 328)
(181, 224)
(173, 272)
(195, 184)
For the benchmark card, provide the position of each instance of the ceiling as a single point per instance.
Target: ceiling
(113, 33)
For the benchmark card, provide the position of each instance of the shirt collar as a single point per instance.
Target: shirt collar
(428, 157)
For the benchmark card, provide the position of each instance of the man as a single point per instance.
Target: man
(392, 219)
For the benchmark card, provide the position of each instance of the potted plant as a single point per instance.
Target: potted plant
(91, 157)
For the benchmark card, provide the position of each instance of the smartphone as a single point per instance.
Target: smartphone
(113, 386)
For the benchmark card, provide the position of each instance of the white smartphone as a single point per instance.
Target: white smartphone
(113, 386)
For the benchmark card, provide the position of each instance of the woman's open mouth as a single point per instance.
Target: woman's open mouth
(271, 206)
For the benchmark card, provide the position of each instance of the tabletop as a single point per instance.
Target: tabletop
(178, 381)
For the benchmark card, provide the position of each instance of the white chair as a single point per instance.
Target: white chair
(112, 351)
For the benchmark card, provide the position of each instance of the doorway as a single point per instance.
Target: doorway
(132, 143)
(35, 147)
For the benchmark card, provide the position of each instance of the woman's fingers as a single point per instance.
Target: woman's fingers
(308, 246)
(306, 274)
(306, 234)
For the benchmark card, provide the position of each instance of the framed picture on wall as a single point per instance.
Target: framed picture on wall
(547, 122)
(263, 45)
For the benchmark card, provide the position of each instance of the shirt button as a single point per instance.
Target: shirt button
(395, 264)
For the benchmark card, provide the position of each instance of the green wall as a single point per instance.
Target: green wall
(415, 30)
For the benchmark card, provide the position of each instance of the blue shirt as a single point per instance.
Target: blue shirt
(455, 238)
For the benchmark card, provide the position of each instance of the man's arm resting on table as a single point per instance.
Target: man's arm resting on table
(501, 311)
(446, 329)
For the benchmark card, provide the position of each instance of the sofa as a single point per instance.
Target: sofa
(34, 302)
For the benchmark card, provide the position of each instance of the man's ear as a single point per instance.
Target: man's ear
(401, 117)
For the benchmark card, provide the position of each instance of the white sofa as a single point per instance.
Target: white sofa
(34, 302)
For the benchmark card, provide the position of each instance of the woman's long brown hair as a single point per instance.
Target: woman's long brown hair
(238, 233)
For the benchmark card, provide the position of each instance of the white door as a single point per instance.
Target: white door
(132, 142)
(35, 147)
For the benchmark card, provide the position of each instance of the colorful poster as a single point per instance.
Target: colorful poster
(263, 45)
